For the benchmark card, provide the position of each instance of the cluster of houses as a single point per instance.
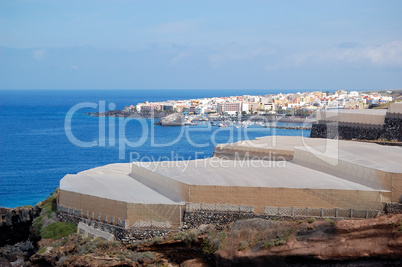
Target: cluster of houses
(301, 103)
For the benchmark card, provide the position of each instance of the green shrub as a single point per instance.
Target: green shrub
(42, 250)
(156, 240)
(102, 244)
(397, 227)
(136, 256)
(64, 241)
(269, 243)
(114, 243)
(188, 237)
(37, 225)
(58, 230)
(332, 222)
(106, 244)
(243, 245)
(212, 243)
(280, 240)
(311, 220)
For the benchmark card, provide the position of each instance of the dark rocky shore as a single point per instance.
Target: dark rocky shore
(16, 242)
(126, 114)
(15, 224)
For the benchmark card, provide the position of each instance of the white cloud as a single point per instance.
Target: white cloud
(179, 57)
(39, 54)
(385, 55)
(236, 52)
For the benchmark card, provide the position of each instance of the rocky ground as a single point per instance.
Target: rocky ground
(252, 242)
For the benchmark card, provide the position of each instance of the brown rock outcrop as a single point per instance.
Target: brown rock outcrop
(347, 242)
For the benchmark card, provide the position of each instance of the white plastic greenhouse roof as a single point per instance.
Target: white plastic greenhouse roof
(254, 173)
(112, 182)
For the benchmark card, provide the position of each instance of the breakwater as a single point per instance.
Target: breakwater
(290, 127)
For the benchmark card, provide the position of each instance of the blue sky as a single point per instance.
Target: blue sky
(200, 44)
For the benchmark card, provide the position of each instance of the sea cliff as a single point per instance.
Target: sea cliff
(251, 242)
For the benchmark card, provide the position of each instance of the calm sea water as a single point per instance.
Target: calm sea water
(35, 152)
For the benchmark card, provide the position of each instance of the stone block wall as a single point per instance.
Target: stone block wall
(391, 130)
(393, 208)
(121, 234)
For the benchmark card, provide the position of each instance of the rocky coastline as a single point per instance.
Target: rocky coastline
(15, 224)
(162, 115)
(125, 114)
(16, 242)
(27, 241)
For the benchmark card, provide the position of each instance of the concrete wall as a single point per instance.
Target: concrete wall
(87, 230)
(395, 108)
(365, 116)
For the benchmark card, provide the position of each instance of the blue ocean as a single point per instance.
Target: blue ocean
(46, 134)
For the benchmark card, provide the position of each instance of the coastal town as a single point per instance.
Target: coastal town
(291, 104)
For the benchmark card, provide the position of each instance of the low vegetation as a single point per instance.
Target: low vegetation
(58, 230)
(47, 225)
(243, 245)
(213, 241)
(189, 237)
(79, 251)
(206, 244)
(311, 220)
(280, 240)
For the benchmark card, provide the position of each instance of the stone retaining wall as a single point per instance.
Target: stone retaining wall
(322, 213)
(121, 234)
(219, 215)
(391, 130)
(195, 215)
(393, 208)
(219, 219)
(87, 230)
(190, 207)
